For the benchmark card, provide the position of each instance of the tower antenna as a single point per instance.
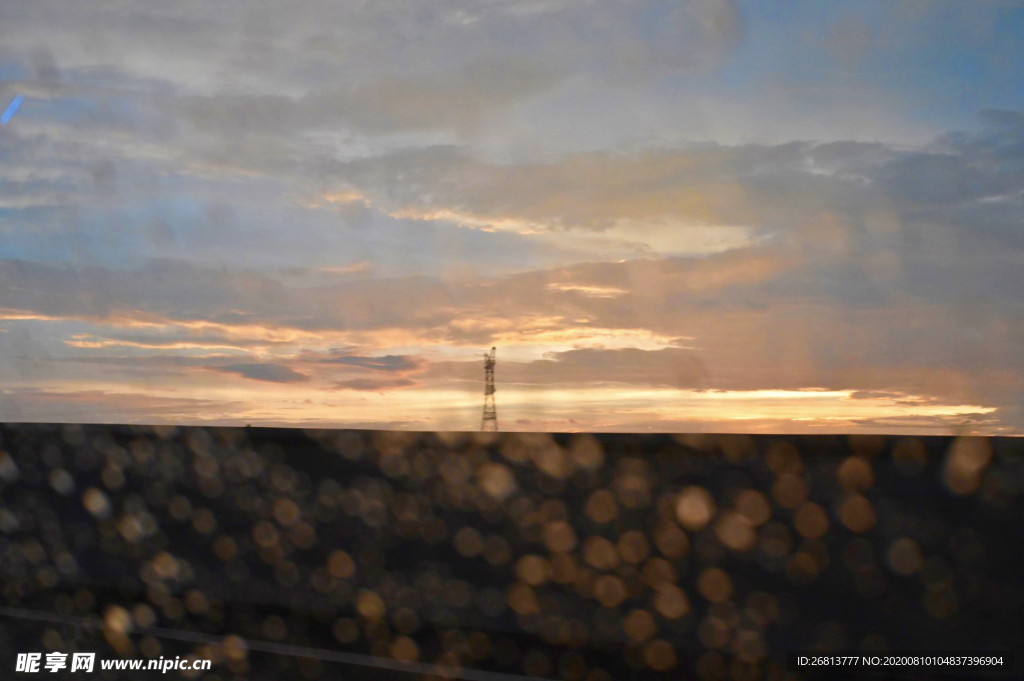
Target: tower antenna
(489, 423)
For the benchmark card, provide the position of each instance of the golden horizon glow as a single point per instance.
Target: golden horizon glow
(584, 408)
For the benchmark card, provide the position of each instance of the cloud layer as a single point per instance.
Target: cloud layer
(660, 214)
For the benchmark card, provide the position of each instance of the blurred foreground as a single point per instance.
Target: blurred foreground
(378, 555)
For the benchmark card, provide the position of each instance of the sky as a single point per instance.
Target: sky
(669, 216)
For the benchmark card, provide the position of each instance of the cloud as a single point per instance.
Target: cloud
(671, 367)
(594, 291)
(385, 363)
(460, 101)
(667, 367)
(375, 384)
(274, 373)
(30, 405)
(380, 68)
(165, 340)
(248, 192)
(361, 267)
(692, 200)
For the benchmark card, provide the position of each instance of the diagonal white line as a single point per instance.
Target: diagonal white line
(278, 648)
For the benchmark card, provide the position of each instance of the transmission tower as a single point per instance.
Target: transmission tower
(490, 419)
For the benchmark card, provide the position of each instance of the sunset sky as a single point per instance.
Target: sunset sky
(685, 215)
